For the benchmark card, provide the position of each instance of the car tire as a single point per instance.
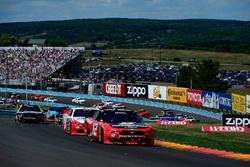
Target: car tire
(150, 143)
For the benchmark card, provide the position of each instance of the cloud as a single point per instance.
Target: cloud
(31, 10)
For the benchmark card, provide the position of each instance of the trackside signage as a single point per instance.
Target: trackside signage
(113, 89)
(176, 94)
(236, 120)
(239, 103)
(157, 92)
(208, 128)
(173, 123)
(136, 91)
(194, 97)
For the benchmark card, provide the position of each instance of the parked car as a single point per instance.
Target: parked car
(75, 123)
(27, 113)
(120, 126)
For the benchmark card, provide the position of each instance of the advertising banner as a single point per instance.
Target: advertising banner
(210, 99)
(239, 103)
(208, 128)
(173, 123)
(236, 120)
(175, 94)
(248, 104)
(157, 92)
(137, 91)
(225, 102)
(194, 97)
(113, 89)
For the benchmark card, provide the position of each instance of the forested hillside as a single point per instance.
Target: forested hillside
(215, 35)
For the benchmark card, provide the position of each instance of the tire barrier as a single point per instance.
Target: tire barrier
(197, 111)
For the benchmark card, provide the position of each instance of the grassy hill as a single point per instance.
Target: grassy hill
(200, 34)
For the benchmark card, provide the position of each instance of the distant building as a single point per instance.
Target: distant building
(23, 42)
(38, 42)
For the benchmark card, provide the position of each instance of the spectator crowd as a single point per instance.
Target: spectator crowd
(34, 63)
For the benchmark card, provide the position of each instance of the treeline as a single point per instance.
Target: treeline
(214, 35)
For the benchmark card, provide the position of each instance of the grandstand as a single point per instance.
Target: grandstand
(32, 65)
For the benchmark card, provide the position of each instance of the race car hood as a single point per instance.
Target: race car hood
(128, 125)
(29, 112)
(79, 119)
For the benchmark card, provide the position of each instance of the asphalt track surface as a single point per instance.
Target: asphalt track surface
(39, 145)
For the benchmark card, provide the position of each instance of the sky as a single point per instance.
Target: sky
(41, 10)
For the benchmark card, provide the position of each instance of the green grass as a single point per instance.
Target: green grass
(232, 61)
(240, 91)
(192, 135)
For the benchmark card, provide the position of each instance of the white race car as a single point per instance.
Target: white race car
(78, 100)
(50, 99)
(75, 123)
(107, 102)
(118, 106)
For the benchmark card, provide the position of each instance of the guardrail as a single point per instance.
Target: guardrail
(202, 112)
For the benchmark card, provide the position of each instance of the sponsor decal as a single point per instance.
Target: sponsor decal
(236, 120)
(210, 99)
(157, 92)
(194, 97)
(131, 136)
(137, 91)
(208, 128)
(239, 103)
(113, 89)
(175, 94)
(179, 123)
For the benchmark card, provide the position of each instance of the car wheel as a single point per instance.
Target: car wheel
(150, 142)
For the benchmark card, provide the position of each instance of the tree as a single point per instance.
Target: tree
(57, 42)
(207, 77)
(186, 77)
(8, 40)
(203, 77)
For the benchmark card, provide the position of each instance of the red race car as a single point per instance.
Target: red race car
(120, 126)
(100, 106)
(37, 97)
(75, 123)
(142, 112)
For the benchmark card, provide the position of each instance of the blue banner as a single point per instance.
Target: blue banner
(225, 102)
(210, 99)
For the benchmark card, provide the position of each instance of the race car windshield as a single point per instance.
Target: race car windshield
(119, 117)
(83, 113)
(30, 108)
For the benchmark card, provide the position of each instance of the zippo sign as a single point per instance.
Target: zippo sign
(194, 97)
(137, 91)
(236, 120)
(113, 89)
